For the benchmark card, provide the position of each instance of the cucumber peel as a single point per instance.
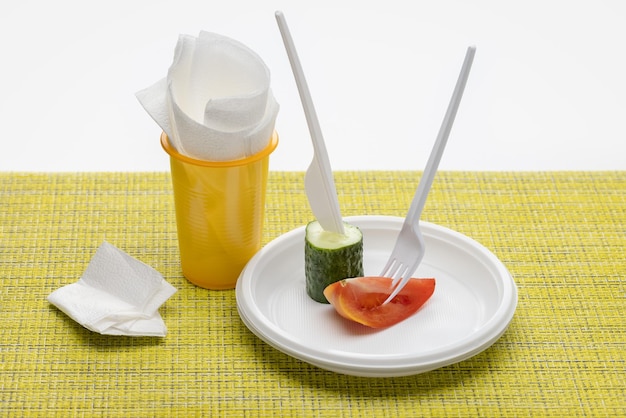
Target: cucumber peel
(330, 257)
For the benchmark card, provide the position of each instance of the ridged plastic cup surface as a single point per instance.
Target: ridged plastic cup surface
(220, 207)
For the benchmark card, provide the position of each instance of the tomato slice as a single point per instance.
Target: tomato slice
(361, 299)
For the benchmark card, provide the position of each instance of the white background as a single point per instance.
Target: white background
(547, 90)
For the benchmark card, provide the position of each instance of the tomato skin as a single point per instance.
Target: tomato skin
(361, 299)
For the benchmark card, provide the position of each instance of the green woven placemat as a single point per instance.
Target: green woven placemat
(561, 235)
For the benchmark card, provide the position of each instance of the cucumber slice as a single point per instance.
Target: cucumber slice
(330, 257)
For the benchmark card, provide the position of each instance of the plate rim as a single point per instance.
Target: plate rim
(486, 335)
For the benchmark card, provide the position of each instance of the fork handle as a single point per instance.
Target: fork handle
(417, 205)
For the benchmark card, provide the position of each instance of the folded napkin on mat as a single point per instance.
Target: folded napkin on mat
(215, 103)
(117, 295)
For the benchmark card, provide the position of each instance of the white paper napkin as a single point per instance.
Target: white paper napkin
(117, 295)
(215, 103)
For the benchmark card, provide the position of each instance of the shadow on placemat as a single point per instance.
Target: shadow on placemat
(480, 367)
(93, 339)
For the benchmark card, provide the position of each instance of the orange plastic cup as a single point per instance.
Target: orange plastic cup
(220, 206)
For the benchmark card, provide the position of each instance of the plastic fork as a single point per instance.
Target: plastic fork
(409, 249)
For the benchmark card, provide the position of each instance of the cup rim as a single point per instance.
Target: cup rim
(167, 146)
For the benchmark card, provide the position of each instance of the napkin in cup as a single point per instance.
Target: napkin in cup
(116, 295)
(215, 103)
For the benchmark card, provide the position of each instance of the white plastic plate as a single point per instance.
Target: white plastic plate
(474, 301)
